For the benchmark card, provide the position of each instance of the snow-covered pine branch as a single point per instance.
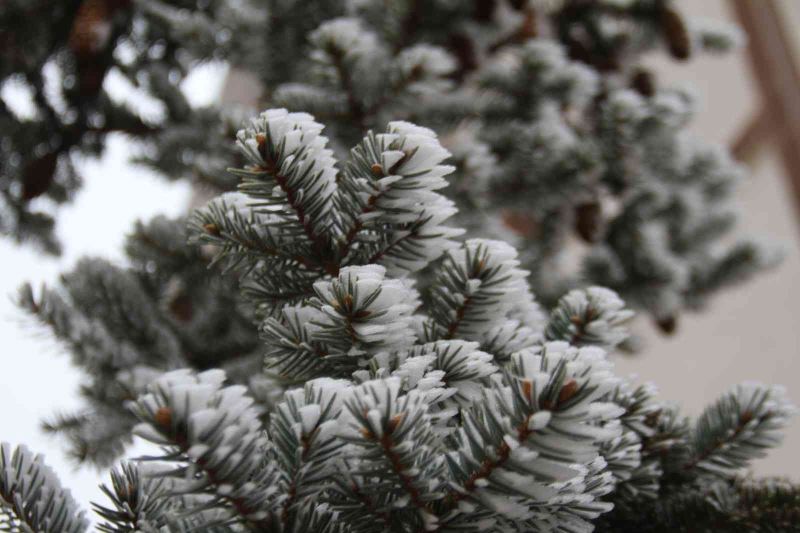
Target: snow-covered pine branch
(738, 427)
(126, 326)
(595, 316)
(558, 128)
(294, 222)
(380, 405)
(476, 286)
(31, 496)
(215, 436)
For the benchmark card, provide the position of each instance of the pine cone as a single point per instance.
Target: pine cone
(484, 10)
(644, 82)
(520, 223)
(38, 176)
(668, 325)
(676, 34)
(91, 28)
(588, 221)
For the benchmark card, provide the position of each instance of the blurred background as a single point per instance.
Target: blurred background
(750, 332)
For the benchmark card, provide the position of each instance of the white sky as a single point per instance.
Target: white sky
(36, 377)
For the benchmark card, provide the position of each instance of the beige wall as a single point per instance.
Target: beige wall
(791, 10)
(751, 332)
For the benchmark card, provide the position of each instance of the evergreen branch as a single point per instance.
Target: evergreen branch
(766, 506)
(392, 437)
(737, 428)
(287, 150)
(137, 504)
(306, 455)
(357, 112)
(344, 45)
(497, 465)
(370, 505)
(595, 317)
(216, 431)
(361, 310)
(477, 285)
(292, 350)
(457, 365)
(408, 235)
(294, 200)
(387, 191)
(501, 455)
(244, 236)
(417, 64)
(31, 497)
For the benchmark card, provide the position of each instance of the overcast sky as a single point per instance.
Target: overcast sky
(36, 377)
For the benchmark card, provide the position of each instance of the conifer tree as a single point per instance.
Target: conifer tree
(332, 352)
(61, 55)
(565, 144)
(380, 407)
